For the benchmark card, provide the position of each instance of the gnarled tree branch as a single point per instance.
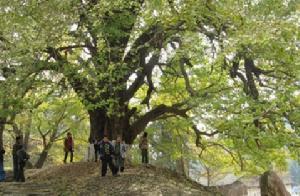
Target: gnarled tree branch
(160, 110)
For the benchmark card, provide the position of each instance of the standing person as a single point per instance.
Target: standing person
(120, 150)
(123, 154)
(97, 148)
(16, 147)
(143, 145)
(69, 147)
(106, 153)
(2, 172)
(22, 157)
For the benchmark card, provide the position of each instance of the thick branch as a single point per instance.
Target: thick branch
(200, 133)
(149, 91)
(140, 124)
(249, 64)
(140, 80)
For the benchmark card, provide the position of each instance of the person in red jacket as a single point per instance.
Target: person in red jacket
(69, 147)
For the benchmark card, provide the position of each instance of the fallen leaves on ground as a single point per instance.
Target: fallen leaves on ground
(84, 179)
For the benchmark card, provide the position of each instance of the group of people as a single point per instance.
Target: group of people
(19, 161)
(112, 155)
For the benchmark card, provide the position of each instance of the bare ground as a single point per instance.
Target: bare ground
(84, 179)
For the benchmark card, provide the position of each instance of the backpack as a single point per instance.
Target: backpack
(143, 143)
(106, 147)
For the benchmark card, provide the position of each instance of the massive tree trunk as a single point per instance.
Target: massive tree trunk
(101, 124)
(98, 122)
(123, 123)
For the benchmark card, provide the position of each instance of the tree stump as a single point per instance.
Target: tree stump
(272, 185)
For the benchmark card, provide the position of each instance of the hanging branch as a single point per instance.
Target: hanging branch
(188, 86)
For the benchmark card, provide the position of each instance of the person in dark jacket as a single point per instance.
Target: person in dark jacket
(106, 156)
(2, 172)
(22, 157)
(69, 147)
(17, 146)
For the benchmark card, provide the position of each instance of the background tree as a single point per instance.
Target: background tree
(53, 119)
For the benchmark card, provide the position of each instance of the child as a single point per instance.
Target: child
(106, 153)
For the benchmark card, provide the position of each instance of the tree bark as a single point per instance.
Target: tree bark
(27, 131)
(43, 156)
(2, 125)
(26, 139)
(208, 176)
(180, 166)
(271, 185)
(98, 123)
(112, 126)
(249, 64)
(119, 124)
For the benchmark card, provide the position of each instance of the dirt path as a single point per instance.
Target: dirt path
(84, 179)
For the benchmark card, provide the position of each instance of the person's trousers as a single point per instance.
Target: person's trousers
(119, 161)
(107, 160)
(66, 156)
(20, 174)
(2, 173)
(97, 151)
(145, 156)
(15, 167)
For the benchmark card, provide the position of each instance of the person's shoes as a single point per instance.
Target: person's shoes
(116, 175)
